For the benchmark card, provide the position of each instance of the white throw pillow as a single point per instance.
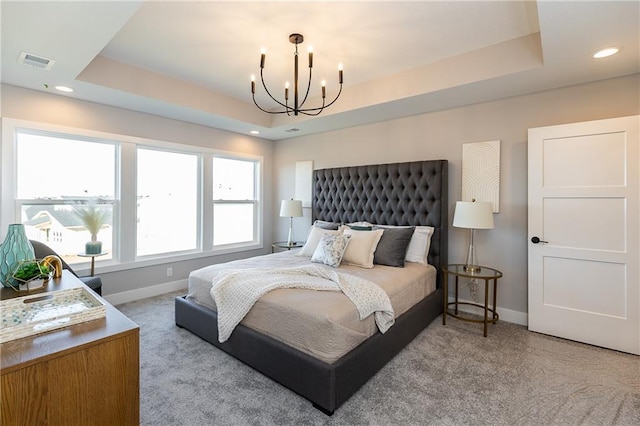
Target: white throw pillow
(315, 234)
(361, 223)
(331, 249)
(418, 250)
(361, 247)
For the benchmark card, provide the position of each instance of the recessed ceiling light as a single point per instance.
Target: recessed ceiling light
(254, 132)
(603, 53)
(64, 89)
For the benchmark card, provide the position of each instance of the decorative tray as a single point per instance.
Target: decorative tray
(35, 314)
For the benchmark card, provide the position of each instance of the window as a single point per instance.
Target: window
(167, 207)
(234, 201)
(64, 188)
(157, 200)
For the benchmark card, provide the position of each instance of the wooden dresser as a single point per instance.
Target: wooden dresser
(85, 374)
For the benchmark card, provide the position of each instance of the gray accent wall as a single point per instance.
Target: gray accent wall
(440, 135)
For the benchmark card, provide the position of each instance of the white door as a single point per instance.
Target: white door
(584, 201)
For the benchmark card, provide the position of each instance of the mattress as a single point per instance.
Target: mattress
(323, 324)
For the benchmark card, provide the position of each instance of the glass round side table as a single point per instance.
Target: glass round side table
(480, 273)
(93, 260)
(285, 246)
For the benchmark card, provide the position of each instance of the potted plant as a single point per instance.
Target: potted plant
(93, 217)
(32, 273)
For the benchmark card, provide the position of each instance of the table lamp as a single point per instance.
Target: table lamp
(291, 208)
(473, 215)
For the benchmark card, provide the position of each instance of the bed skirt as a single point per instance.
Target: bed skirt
(327, 386)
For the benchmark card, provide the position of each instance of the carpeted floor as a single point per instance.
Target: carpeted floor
(449, 375)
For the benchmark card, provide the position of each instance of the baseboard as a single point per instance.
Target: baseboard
(507, 315)
(145, 292)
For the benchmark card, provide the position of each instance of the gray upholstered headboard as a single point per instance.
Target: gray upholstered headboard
(412, 193)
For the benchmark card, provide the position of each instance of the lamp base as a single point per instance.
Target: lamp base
(471, 265)
(472, 268)
(290, 241)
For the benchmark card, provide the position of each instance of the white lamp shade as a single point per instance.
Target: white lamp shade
(291, 208)
(473, 215)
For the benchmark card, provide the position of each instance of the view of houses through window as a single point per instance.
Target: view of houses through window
(58, 193)
(69, 191)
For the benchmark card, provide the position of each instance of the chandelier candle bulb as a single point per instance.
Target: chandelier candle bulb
(253, 83)
(340, 73)
(263, 51)
(286, 91)
(324, 89)
(310, 50)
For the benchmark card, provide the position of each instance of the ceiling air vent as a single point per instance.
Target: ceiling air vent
(35, 61)
(293, 129)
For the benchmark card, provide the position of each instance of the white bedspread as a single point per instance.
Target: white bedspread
(236, 291)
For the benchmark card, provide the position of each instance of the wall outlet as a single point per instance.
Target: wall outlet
(169, 271)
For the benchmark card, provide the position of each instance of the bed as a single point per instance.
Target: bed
(399, 194)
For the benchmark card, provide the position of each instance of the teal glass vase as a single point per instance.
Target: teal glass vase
(15, 249)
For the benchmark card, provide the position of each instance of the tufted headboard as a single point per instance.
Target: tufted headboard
(413, 193)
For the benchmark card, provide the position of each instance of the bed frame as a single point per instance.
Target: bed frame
(412, 193)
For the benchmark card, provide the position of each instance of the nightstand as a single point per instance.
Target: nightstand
(284, 245)
(93, 260)
(485, 273)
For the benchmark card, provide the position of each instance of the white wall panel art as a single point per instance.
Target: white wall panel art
(481, 172)
(304, 182)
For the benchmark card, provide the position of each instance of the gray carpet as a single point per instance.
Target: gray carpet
(449, 375)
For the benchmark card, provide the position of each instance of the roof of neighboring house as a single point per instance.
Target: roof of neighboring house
(38, 220)
(38, 214)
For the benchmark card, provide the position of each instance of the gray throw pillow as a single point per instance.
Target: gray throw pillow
(393, 245)
(326, 225)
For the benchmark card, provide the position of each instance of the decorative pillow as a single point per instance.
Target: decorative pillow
(361, 223)
(360, 227)
(330, 249)
(393, 245)
(361, 247)
(418, 249)
(326, 225)
(315, 234)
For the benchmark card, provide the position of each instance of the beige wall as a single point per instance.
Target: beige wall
(24, 104)
(440, 135)
(427, 136)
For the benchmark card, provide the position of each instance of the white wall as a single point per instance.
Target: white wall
(24, 104)
(440, 135)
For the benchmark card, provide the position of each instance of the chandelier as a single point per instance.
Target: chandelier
(297, 107)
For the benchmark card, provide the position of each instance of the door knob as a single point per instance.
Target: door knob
(536, 240)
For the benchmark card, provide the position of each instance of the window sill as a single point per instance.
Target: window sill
(114, 266)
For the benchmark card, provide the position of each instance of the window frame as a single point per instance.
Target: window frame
(257, 223)
(24, 202)
(199, 201)
(124, 214)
